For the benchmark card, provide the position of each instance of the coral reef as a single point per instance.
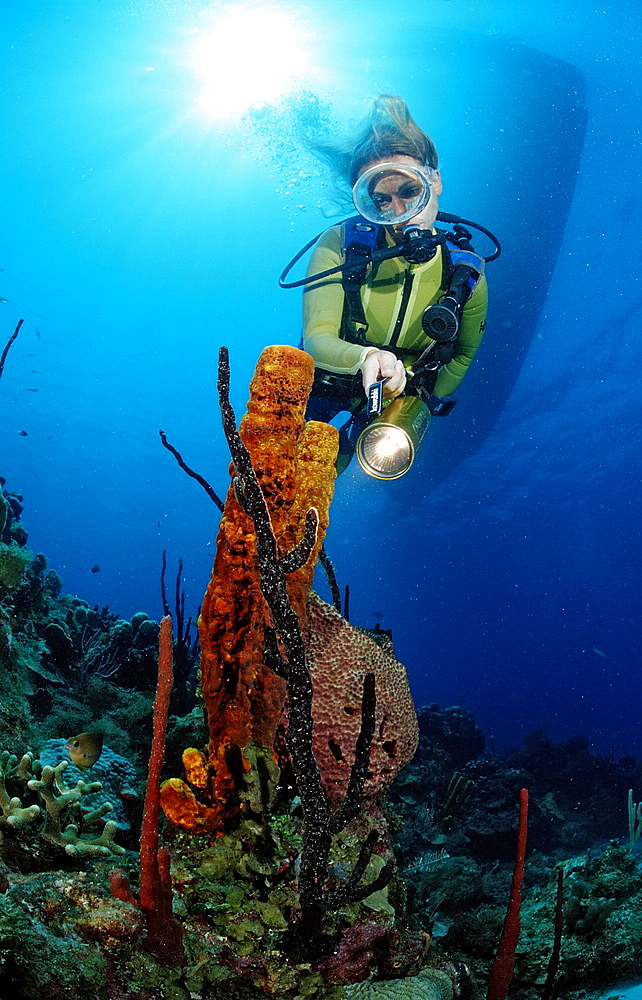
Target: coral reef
(459, 792)
(86, 643)
(68, 667)
(115, 774)
(601, 934)
(59, 804)
(291, 891)
(455, 854)
(61, 933)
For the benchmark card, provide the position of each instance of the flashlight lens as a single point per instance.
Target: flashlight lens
(385, 451)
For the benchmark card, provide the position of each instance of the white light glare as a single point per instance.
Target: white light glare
(249, 56)
(386, 451)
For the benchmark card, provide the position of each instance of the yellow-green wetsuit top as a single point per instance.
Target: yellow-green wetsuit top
(381, 295)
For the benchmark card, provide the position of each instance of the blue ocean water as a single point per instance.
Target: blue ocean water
(146, 214)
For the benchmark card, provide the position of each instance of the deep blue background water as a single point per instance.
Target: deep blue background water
(139, 234)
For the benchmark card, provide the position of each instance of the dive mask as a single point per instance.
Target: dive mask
(392, 192)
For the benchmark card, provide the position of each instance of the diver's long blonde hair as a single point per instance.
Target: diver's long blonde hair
(387, 130)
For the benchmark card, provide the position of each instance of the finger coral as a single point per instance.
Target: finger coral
(64, 823)
(113, 777)
(13, 812)
(58, 797)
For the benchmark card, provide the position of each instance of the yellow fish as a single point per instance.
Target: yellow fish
(85, 749)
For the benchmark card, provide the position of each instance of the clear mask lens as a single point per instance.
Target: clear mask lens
(392, 193)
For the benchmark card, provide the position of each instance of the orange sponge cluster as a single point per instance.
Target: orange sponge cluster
(295, 466)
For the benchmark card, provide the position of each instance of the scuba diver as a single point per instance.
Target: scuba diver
(393, 308)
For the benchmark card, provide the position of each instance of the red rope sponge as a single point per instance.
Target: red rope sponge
(504, 962)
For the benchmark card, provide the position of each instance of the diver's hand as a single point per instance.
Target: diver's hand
(383, 364)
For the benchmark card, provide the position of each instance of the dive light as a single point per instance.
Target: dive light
(386, 448)
(440, 322)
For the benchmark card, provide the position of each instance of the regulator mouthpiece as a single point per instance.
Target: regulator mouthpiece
(386, 448)
(392, 192)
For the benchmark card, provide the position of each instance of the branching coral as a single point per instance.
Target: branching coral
(57, 802)
(58, 798)
(113, 778)
(13, 812)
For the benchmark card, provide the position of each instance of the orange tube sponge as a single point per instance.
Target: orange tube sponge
(295, 466)
(315, 488)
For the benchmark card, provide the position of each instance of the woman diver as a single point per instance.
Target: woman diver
(403, 307)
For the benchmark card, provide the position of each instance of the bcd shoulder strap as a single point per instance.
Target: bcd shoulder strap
(360, 239)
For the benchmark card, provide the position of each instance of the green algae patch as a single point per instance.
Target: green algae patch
(13, 561)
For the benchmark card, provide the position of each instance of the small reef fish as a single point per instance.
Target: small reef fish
(23, 434)
(95, 569)
(85, 749)
(4, 300)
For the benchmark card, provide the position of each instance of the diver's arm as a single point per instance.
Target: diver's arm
(323, 309)
(469, 337)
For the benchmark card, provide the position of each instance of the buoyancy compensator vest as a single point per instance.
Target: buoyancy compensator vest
(364, 246)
